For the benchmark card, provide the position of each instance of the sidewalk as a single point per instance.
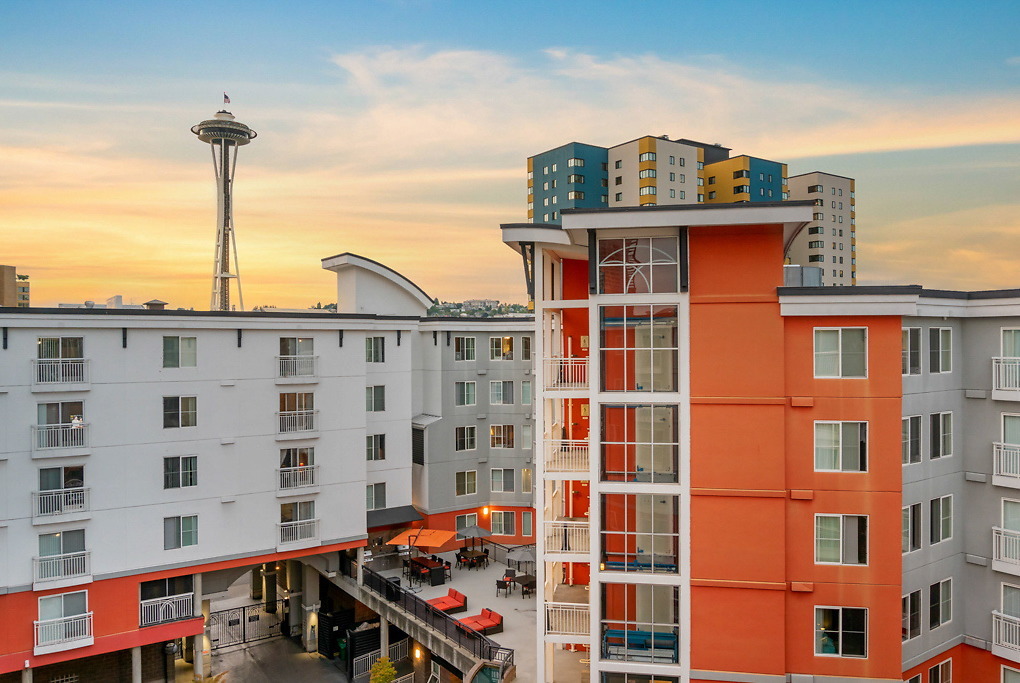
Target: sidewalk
(273, 661)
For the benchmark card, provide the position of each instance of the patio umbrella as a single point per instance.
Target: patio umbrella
(474, 531)
(522, 553)
(422, 538)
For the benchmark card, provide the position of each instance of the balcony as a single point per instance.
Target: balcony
(296, 369)
(297, 424)
(60, 505)
(60, 374)
(304, 532)
(1006, 551)
(566, 459)
(65, 633)
(567, 619)
(567, 538)
(60, 439)
(165, 610)
(1006, 636)
(1006, 379)
(55, 571)
(1006, 465)
(566, 374)
(297, 478)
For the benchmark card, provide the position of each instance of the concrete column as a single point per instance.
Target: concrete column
(256, 583)
(384, 636)
(198, 661)
(295, 583)
(361, 563)
(26, 676)
(136, 665)
(310, 607)
(269, 592)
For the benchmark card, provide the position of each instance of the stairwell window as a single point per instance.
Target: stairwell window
(841, 446)
(375, 447)
(841, 352)
(646, 156)
(645, 191)
(841, 631)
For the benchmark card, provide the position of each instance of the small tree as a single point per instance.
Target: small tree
(382, 671)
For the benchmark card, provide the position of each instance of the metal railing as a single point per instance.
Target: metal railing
(1006, 460)
(479, 645)
(74, 435)
(566, 455)
(296, 477)
(1005, 631)
(66, 566)
(297, 421)
(63, 630)
(296, 366)
(1006, 374)
(362, 665)
(59, 501)
(408, 678)
(566, 619)
(500, 553)
(302, 530)
(566, 373)
(163, 610)
(60, 371)
(1006, 545)
(567, 537)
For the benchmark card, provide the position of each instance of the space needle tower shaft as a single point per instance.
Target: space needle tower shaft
(224, 136)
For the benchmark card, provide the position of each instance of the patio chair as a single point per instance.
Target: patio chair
(448, 570)
(407, 569)
(486, 558)
(509, 574)
(502, 585)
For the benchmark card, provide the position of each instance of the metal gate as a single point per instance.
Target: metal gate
(247, 624)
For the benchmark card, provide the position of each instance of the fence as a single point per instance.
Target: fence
(499, 553)
(362, 665)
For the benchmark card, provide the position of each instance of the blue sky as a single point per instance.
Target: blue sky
(395, 127)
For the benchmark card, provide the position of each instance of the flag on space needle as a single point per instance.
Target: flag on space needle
(226, 100)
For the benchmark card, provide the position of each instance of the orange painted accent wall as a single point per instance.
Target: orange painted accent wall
(448, 521)
(970, 664)
(575, 278)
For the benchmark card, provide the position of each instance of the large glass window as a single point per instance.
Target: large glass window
(639, 348)
(638, 265)
(641, 532)
(640, 443)
(640, 622)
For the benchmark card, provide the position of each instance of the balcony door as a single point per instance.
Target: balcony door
(66, 413)
(57, 478)
(1011, 343)
(57, 610)
(61, 348)
(1011, 601)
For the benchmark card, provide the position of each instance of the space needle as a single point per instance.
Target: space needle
(224, 136)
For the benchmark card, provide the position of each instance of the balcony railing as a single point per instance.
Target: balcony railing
(163, 610)
(74, 435)
(292, 532)
(566, 456)
(297, 421)
(566, 373)
(566, 619)
(567, 537)
(1006, 546)
(1006, 632)
(60, 371)
(59, 502)
(296, 477)
(65, 630)
(66, 566)
(296, 366)
(1006, 460)
(1006, 374)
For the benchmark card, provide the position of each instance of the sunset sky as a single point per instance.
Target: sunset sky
(399, 130)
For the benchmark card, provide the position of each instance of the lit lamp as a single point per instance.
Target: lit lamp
(485, 511)
(417, 653)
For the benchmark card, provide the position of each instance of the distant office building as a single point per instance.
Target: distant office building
(14, 288)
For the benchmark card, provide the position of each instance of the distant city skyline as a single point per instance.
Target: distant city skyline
(400, 130)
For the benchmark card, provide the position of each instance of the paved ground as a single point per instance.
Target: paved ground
(278, 660)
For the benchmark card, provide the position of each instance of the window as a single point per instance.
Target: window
(618, 164)
(647, 173)
(501, 480)
(574, 178)
(375, 496)
(62, 606)
(375, 447)
(814, 188)
(619, 180)
(814, 258)
(941, 519)
(165, 588)
(180, 352)
(645, 191)
(841, 446)
(464, 438)
(545, 170)
(672, 160)
(179, 532)
(841, 539)
(911, 528)
(816, 244)
(180, 411)
(501, 436)
(672, 177)
(841, 352)
(672, 194)
(640, 443)
(464, 393)
(646, 156)
(816, 230)
(711, 195)
(701, 182)
(911, 362)
(911, 439)
(618, 197)
(296, 457)
(501, 392)
(1010, 675)
(841, 631)
(297, 412)
(941, 672)
(638, 265)
(466, 483)
(375, 349)
(375, 399)
(503, 523)
(575, 195)
(525, 348)
(941, 435)
(641, 609)
(940, 350)
(914, 679)
(742, 189)
(683, 194)
(527, 477)
(463, 348)
(464, 521)
(640, 532)
(639, 347)
(66, 553)
(741, 174)
(711, 180)
(911, 608)
(526, 392)
(701, 197)
(940, 603)
(575, 162)
(819, 216)
(69, 481)
(527, 437)
(555, 199)
(527, 523)
(297, 357)
(604, 199)
(501, 348)
(180, 471)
